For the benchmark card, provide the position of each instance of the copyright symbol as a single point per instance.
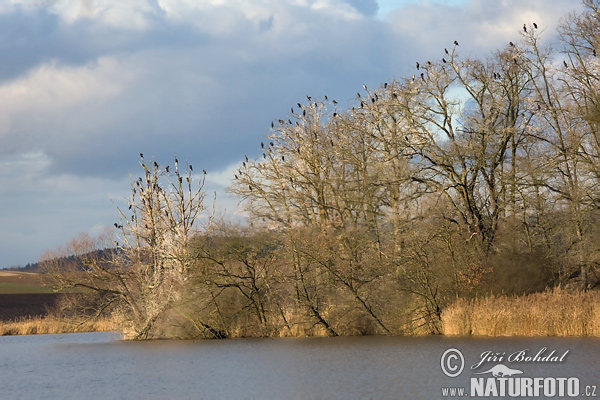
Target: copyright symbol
(452, 362)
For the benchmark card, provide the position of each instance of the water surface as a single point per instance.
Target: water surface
(100, 366)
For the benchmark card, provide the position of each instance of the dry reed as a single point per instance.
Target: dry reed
(555, 312)
(52, 325)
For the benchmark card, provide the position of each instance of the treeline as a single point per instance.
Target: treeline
(472, 176)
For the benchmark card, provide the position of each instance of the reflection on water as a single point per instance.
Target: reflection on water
(100, 366)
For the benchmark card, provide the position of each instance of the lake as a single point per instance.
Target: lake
(100, 366)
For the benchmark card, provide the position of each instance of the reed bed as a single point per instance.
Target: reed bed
(52, 325)
(555, 312)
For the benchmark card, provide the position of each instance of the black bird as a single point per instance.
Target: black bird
(422, 76)
(565, 63)
(385, 85)
(299, 105)
(262, 145)
(264, 155)
(191, 169)
(281, 121)
(364, 86)
(167, 169)
(271, 144)
(250, 187)
(456, 43)
(282, 158)
(292, 110)
(176, 160)
(511, 44)
(204, 171)
(155, 164)
(495, 76)
(418, 65)
(304, 113)
(291, 180)
(325, 97)
(373, 100)
(289, 121)
(272, 125)
(308, 97)
(244, 164)
(141, 155)
(444, 60)
(335, 114)
(594, 52)
(524, 28)
(335, 102)
(130, 206)
(395, 95)
(535, 25)
(446, 50)
(246, 157)
(362, 104)
(235, 176)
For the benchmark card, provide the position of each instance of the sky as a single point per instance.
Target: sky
(87, 85)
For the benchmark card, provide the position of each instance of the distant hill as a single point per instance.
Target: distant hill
(69, 262)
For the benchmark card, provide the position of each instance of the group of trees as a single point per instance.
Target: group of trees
(471, 176)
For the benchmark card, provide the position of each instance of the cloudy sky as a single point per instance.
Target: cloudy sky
(86, 85)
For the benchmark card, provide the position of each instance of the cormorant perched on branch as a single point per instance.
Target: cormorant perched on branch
(535, 25)
(444, 60)
(262, 145)
(456, 43)
(191, 169)
(565, 63)
(524, 28)
(418, 65)
(204, 171)
(167, 169)
(272, 125)
(446, 50)
(141, 155)
(299, 105)
(364, 86)
(308, 97)
(511, 44)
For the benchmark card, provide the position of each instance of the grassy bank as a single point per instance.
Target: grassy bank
(50, 325)
(552, 313)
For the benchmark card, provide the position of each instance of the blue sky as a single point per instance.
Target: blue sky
(86, 85)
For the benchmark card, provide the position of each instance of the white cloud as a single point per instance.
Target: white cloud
(129, 14)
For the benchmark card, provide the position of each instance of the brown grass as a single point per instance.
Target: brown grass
(554, 312)
(53, 325)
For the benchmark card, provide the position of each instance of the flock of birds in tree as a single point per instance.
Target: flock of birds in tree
(363, 101)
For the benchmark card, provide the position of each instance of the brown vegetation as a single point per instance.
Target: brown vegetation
(556, 312)
(53, 325)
